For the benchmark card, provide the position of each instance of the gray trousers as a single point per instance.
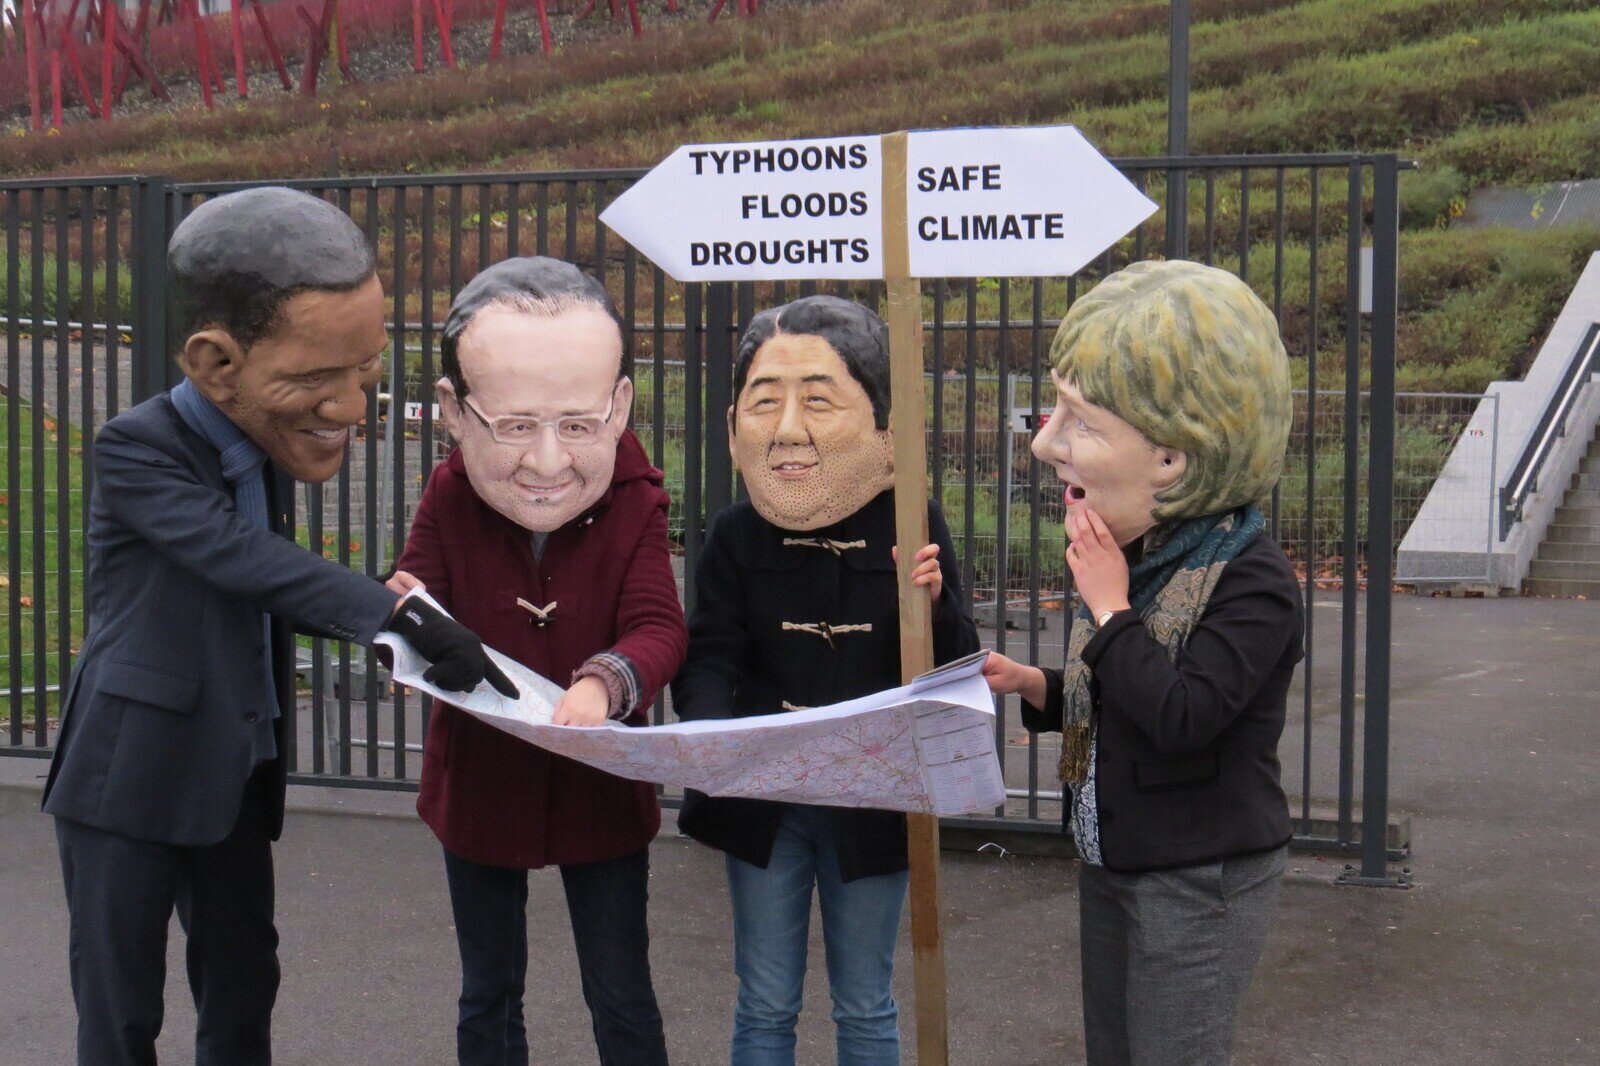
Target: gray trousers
(1167, 957)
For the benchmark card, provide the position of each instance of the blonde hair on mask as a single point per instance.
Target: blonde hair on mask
(1191, 358)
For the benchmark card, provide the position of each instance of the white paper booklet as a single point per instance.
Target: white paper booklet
(928, 746)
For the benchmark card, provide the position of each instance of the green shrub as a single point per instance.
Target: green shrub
(1431, 196)
(52, 305)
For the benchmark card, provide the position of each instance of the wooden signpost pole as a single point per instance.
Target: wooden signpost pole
(907, 420)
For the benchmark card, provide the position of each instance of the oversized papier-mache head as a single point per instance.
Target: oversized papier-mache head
(1173, 397)
(279, 321)
(533, 391)
(809, 425)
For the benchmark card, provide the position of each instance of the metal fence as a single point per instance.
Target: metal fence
(86, 335)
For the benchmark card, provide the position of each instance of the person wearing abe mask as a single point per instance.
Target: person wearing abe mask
(796, 606)
(546, 531)
(167, 784)
(1171, 420)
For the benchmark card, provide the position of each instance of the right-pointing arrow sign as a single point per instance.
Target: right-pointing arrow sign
(980, 203)
(1013, 202)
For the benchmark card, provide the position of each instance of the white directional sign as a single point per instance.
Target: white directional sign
(1013, 202)
(980, 202)
(761, 210)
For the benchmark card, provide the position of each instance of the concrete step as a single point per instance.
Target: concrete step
(1589, 464)
(1585, 498)
(1569, 551)
(1585, 483)
(1573, 532)
(1589, 590)
(1581, 516)
(1564, 570)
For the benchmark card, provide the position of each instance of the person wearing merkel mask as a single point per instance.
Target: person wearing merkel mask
(546, 530)
(1172, 415)
(797, 606)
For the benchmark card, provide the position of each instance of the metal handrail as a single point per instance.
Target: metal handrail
(1524, 479)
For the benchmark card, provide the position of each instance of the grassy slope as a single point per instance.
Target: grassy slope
(1479, 90)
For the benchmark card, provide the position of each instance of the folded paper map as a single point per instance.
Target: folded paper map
(927, 746)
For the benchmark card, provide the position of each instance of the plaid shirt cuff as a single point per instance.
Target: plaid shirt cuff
(621, 679)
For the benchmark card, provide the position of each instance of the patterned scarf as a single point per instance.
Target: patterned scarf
(1170, 588)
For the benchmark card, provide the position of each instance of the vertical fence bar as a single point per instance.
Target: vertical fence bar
(693, 438)
(1352, 516)
(969, 445)
(113, 299)
(937, 451)
(40, 585)
(149, 233)
(513, 218)
(1002, 513)
(1275, 522)
(455, 241)
(63, 442)
(1309, 538)
(630, 300)
(1035, 576)
(719, 395)
(485, 214)
(1380, 510)
(571, 237)
(320, 750)
(1244, 223)
(599, 232)
(542, 230)
(14, 460)
(86, 385)
(658, 372)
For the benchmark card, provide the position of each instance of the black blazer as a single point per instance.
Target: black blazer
(155, 739)
(742, 661)
(1186, 767)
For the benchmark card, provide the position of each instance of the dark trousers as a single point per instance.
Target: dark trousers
(121, 893)
(606, 902)
(1167, 957)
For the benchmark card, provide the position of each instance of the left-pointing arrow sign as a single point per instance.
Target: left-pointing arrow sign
(772, 209)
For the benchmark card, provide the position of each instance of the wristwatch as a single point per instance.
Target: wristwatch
(1102, 618)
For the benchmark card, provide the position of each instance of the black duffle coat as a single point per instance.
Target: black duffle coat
(751, 578)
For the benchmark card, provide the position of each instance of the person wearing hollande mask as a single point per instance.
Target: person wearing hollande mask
(546, 530)
(797, 605)
(167, 784)
(1171, 420)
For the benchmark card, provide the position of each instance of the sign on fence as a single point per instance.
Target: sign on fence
(978, 202)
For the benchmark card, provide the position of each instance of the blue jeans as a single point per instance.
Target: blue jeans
(606, 902)
(771, 919)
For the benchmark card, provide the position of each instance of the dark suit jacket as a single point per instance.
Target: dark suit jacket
(489, 797)
(157, 720)
(1186, 756)
(742, 661)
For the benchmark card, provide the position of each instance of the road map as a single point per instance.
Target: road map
(927, 746)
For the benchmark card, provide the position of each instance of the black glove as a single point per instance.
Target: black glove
(456, 654)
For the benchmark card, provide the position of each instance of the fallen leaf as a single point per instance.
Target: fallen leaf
(26, 601)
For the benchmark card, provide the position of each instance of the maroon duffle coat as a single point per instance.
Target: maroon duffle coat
(489, 797)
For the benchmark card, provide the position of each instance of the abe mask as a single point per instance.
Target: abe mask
(808, 428)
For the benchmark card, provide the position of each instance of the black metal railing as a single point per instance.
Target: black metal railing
(1551, 427)
(1292, 225)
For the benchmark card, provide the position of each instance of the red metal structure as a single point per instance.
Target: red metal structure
(94, 58)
